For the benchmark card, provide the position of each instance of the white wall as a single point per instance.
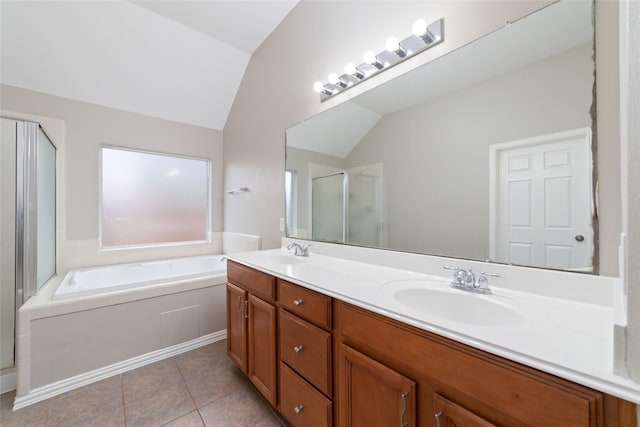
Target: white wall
(631, 168)
(87, 127)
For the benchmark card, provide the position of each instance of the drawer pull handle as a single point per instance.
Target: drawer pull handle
(298, 409)
(239, 304)
(404, 410)
(438, 416)
(298, 348)
(246, 309)
(297, 302)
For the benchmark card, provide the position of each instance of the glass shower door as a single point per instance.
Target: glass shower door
(46, 209)
(328, 208)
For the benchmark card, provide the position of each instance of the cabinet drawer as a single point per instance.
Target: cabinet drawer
(301, 404)
(256, 282)
(307, 350)
(310, 305)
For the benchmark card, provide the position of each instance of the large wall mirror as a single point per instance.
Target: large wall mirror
(484, 153)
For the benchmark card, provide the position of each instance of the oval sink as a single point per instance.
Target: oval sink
(461, 307)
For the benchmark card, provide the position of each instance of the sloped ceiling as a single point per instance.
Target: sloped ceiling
(176, 60)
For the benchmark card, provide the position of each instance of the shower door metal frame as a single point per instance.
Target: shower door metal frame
(27, 208)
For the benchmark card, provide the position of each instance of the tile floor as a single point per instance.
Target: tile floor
(198, 388)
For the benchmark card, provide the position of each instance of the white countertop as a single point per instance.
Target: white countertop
(570, 339)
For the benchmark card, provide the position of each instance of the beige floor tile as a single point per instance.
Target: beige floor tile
(87, 415)
(192, 419)
(166, 404)
(215, 383)
(32, 416)
(271, 421)
(199, 361)
(241, 408)
(166, 393)
(145, 382)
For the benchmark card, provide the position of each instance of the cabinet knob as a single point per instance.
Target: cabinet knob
(298, 348)
(298, 409)
(297, 302)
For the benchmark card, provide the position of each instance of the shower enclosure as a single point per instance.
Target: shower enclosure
(345, 208)
(27, 222)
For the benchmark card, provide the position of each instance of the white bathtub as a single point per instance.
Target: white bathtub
(97, 280)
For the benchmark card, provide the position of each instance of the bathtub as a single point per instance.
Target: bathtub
(97, 322)
(97, 280)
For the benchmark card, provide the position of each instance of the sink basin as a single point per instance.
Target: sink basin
(462, 307)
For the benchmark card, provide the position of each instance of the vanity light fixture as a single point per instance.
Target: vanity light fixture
(352, 70)
(393, 45)
(372, 59)
(335, 80)
(422, 38)
(321, 88)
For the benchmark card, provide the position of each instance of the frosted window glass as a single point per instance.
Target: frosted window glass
(46, 181)
(152, 198)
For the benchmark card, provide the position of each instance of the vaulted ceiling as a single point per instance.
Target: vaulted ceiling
(175, 60)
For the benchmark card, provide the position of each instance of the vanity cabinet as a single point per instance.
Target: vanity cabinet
(251, 326)
(463, 386)
(323, 362)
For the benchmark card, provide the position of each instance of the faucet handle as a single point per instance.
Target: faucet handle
(484, 273)
(483, 282)
(459, 274)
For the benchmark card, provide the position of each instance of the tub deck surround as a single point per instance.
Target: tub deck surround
(570, 338)
(97, 280)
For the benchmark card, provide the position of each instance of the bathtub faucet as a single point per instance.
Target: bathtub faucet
(300, 250)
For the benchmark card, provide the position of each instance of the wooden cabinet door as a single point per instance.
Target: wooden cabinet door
(450, 414)
(237, 326)
(371, 394)
(262, 366)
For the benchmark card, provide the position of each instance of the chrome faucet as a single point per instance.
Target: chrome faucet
(466, 280)
(299, 250)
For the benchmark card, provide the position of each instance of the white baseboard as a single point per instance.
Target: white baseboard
(50, 390)
(8, 380)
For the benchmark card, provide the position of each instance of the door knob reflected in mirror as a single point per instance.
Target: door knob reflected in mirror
(579, 237)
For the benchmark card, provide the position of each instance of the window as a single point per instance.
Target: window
(151, 198)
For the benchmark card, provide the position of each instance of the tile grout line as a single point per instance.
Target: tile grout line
(124, 407)
(184, 380)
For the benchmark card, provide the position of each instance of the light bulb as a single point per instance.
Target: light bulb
(419, 28)
(333, 78)
(318, 87)
(350, 68)
(369, 57)
(392, 44)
